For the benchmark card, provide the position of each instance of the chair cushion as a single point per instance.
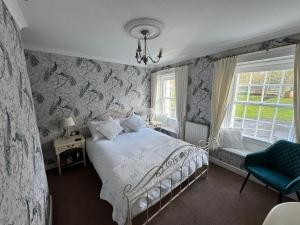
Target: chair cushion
(270, 177)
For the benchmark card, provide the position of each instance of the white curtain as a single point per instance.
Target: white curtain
(154, 94)
(222, 80)
(181, 84)
(297, 92)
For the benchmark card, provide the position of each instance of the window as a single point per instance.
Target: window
(167, 95)
(263, 101)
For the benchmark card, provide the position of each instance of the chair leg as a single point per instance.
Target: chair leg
(248, 175)
(279, 197)
(298, 195)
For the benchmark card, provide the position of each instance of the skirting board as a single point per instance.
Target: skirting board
(242, 173)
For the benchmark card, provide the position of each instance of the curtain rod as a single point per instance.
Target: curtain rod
(172, 66)
(264, 46)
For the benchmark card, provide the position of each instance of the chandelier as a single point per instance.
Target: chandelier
(141, 55)
(144, 29)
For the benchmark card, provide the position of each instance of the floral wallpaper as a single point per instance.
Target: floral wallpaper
(199, 90)
(65, 86)
(23, 182)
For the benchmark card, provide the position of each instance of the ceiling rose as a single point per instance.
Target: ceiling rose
(135, 27)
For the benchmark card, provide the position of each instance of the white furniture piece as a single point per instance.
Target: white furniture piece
(138, 169)
(63, 144)
(284, 214)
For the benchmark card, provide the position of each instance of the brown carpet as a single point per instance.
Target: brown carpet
(215, 201)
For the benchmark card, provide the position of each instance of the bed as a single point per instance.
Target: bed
(138, 169)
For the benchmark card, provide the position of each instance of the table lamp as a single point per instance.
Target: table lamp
(66, 123)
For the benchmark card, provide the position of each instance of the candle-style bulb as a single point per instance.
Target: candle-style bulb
(139, 45)
(160, 53)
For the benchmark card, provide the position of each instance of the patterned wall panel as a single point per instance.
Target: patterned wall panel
(199, 90)
(23, 182)
(65, 86)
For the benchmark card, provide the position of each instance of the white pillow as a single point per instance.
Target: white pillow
(96, 135)
(134, 122)
(231, 138)
(125, 127)
(110, 129)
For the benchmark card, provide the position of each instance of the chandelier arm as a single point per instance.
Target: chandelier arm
(154, 61)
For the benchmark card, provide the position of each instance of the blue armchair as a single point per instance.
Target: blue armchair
(278, 167)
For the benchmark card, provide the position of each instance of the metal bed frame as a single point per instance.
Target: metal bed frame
(176, 161)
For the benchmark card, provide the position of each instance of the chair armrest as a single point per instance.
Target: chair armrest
(257, 158)
(293, 186)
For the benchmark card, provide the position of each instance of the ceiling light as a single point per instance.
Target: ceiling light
(144, 29)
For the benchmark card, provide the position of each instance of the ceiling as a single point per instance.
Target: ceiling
(193, 28)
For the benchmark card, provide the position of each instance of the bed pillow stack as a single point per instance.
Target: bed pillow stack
(134, 123)
(104, 129)
(96, 135)
(110, 129)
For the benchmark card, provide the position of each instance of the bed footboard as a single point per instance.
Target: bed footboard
(179, 159)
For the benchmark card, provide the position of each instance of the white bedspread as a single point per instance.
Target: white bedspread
(127, 159)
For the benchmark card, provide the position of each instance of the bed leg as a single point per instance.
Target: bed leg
(129, 216)
(206, 174)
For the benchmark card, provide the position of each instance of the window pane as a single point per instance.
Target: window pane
(264, 126)
(280, 132)
(242, 93)
(286, 96)
(271, 94)
(284, 116)
(244, 78)
(173, 108)
(263, 134)
(249, 127)
(274, 77)
(168, 96)
(237, 123)
(255, 116)
(250, 132)
(289, 77)
(264, 130)
(258, 78)
(250, 124)
(252, 112)
(239, 110)
(267, 113)
(255, 93)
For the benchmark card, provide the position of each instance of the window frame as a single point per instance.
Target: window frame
(272, 64)
(166, 77)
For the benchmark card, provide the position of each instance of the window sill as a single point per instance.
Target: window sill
(250, 145)
(170, 129)
(257, 139)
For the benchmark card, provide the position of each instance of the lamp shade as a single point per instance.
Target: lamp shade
(68, 122)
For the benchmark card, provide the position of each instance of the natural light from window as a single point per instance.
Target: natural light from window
(263, 104)
(168, 96)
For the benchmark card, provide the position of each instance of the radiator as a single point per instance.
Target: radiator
(195, 132)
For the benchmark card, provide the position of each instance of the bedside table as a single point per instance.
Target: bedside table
(154, 124)
(63, 144)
